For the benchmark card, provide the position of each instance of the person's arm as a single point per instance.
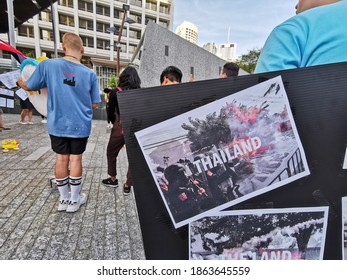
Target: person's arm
(22, 84)
(94, 93)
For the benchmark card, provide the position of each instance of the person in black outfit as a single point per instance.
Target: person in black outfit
(128, 79)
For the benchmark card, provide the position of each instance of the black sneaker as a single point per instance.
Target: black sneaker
(109, 183)
(126, 189)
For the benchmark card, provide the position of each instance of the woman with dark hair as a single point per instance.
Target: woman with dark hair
(128, 79)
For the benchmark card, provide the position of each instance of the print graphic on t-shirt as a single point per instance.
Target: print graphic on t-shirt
(70, 80)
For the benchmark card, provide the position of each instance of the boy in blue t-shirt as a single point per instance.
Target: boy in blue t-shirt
(73, 93)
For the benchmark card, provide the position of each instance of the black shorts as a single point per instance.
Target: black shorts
(26, 104)
(68, 146)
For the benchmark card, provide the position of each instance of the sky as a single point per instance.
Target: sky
(249, 21)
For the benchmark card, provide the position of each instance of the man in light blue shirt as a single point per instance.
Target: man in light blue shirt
(316, 35)
(73, 93)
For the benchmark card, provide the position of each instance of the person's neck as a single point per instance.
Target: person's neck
(72, 57)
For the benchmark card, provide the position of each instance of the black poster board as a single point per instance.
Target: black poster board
(318, 99)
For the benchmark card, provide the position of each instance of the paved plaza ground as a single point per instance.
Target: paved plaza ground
(31, 228)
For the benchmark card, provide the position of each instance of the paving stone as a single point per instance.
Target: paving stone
(31, 228)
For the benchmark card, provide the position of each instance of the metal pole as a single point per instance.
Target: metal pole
(118, 43)
(54, 30)
(11, 36)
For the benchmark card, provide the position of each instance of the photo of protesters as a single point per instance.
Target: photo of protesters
(262, 234)
(224, 152)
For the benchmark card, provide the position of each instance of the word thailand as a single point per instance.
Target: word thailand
(223, 156)
(265, 255)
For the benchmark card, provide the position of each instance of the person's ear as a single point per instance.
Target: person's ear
(82, 50)
(165, 81)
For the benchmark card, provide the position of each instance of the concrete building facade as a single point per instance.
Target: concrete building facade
(228, 51)
(160, 48)
(211, 47)
(188, 31)
(91, 19)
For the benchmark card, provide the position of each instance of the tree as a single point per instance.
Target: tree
(113, 81)
(213, 130)
(248, 61)
(30, 54)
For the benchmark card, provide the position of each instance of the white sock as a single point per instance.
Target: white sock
(75, 184)
(63, 187)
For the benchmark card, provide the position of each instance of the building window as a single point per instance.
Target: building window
(135, 34)
(104, 73)
(27, 52)
(66, 20)
(85, 24)
(136, 18)
(164, 8)
(103, 10)
(101, 27)
(46, 35)
(166, 50)
(124, 32)
(88, 41)
(48, 54)
(45, 16)
(137, 3)
(123, 47)
(118, 13)
(66, 3)
(85, 6)
(148, 19)
(103, 44)
(26, 31)
(132, 49)
(164, 24)
(5, 54)
(151, 5)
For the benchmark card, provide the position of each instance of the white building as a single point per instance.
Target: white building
(228, 51)
(211, 47)
(188, 31)
(91, 20)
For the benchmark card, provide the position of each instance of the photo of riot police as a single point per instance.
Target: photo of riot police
(188, 192)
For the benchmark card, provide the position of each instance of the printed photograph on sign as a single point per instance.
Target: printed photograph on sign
(262, 234)
(344, 228)
(224, 152)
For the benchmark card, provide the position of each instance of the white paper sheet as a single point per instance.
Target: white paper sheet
(9, 79)
(22, 94)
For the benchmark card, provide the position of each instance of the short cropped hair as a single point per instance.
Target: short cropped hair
(231, 69)
(172, 73)
(72, 41)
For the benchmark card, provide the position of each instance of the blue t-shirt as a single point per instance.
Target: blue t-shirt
(314, 37)
(72, 89)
